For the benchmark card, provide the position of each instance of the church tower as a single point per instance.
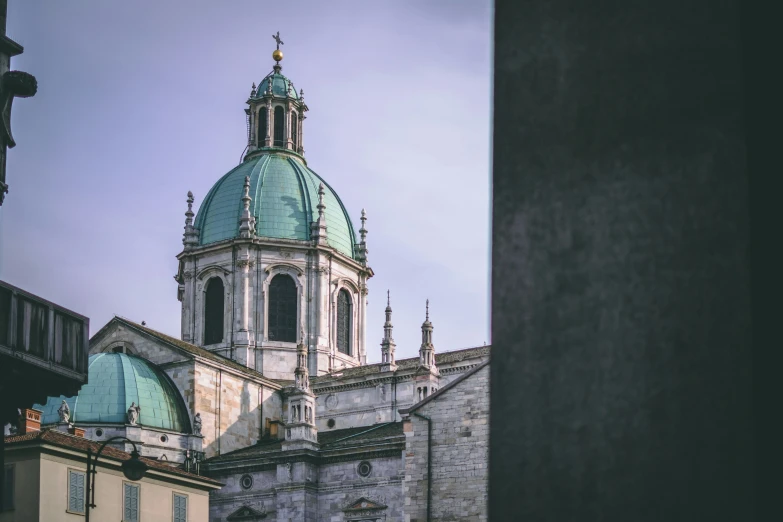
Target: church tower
(271, 261)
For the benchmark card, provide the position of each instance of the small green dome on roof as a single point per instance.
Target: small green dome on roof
(114, 381)
(281, 86)
(284, 200)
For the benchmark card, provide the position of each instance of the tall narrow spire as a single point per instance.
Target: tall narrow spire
(246, 221)
(427, 350)
(318, 227)
(362, 247)
(301, 372)
(387, 344)
(190, 237)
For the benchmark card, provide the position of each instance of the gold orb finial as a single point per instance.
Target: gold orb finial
(277, 55)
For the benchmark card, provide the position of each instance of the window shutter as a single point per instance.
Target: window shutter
(131, 508)
(76, 491)
(180, 508)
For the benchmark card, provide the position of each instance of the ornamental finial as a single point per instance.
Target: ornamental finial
(363, 230)
(388, 298)
(321, 205)
(428, 310)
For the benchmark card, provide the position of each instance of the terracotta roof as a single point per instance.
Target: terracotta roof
(331, 439)
(194, 350)
(406, 364)
(65, 440)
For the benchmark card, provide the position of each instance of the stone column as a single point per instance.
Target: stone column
(620, 288)
(269, 114)
(187, 307)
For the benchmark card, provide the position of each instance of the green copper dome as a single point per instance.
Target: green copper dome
(284, 199)
(114, 380)
(281, 86)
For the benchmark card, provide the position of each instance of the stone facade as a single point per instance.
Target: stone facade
(459, 445)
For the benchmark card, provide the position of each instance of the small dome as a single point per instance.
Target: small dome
(284, 199)
(114, 380)
(281, 86)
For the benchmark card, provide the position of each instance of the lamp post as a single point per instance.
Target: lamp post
(133, 469)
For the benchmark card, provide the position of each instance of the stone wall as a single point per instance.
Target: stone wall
(460, 442)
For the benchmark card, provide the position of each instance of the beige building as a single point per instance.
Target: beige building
(46, 478)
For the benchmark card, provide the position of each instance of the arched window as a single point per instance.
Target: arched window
(279, 121)
(294, 129)
(344, 322)
(261, 126)
(282, 309)
(213, 311)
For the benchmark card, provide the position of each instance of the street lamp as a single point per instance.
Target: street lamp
(133, 469)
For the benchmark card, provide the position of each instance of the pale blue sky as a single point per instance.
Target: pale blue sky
(141, 101)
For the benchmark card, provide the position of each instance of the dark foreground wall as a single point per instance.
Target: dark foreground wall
(621, 372)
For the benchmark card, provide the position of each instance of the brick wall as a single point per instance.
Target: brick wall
(460, 442)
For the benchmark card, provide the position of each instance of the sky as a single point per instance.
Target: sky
(139, 102)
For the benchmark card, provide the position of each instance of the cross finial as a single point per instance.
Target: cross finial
(278, 40)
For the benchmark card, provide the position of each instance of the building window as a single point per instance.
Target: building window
(130, 504)
(32, 334)
(282, 309)
(261, 126)
(180, 508)
(294, 130)
(5, 316)
(8, 489)
(279, 122)
(344, 322)
(213, 311)
(76, 491)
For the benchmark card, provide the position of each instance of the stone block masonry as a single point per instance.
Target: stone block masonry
(460, 442)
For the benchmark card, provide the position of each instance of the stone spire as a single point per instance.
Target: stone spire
(246, 220)
(190, 237)
(253, 91)
(318, 227)
(387, 344)
(300, 431)
(427, 350)
(301, 373)
(363, 243)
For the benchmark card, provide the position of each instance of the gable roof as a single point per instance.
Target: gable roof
(188, 348)
(445, 389)
(65, 440)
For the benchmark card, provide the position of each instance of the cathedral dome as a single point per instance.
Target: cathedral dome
(284, 200)
(115, 380)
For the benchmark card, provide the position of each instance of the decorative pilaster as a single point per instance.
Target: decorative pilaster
(387, 344)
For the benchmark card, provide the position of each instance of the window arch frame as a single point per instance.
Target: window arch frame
(262, 129)
(278, 119)
(294, 275)
(294, 126)
(199, 290)
(207, 314)
(353, 292)
(348, 328)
